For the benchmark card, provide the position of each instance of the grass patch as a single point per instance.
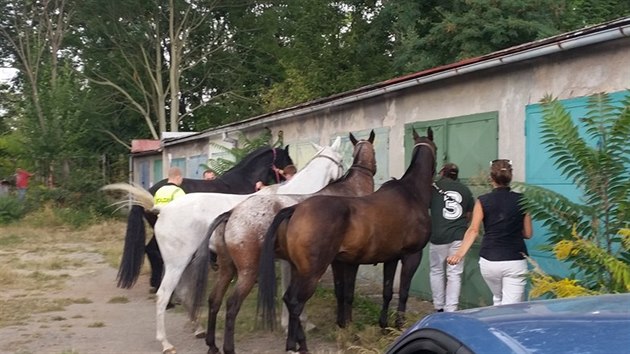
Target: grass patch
(118, 300)
(7, 276)
(96, 324)
(10, 240)
(81, 300)
(16, 311)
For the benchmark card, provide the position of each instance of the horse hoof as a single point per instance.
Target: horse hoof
(169, 351)
(201, 334)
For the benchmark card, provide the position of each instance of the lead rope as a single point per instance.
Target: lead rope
(442, 192)
(274, 167)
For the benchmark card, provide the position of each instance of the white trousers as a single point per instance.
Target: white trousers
(446, 279)
(506, 280)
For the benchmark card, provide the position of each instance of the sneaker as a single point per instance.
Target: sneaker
(439, 310)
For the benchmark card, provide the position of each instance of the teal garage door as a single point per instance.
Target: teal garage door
(540, 171)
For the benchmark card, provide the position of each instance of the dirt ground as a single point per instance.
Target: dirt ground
(102, 318)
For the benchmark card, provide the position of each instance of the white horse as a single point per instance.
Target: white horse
(182, 226)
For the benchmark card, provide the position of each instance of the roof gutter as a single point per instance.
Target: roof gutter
(551, 48)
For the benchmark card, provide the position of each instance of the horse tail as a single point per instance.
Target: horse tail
(196, 273)
(139, 196)
(133, 251)
(267, 270)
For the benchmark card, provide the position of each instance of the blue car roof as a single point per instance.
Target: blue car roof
(593, 324)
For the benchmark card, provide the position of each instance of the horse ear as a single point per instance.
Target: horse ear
(430, 133)
(371, 138)
(352, 139)
(316, 146)
(336, 145)
(416, 137)
(286, 148)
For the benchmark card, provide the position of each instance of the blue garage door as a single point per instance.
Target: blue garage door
(194, 168)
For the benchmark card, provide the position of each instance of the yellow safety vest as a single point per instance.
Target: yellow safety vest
(166, 194)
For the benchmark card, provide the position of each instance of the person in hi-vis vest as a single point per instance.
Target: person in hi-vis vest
(171, 190)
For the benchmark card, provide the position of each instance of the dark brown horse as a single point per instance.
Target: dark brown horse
(389, 225)
(239, 243)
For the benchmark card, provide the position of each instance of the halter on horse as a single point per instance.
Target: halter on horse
(239, 242)
(389, 225)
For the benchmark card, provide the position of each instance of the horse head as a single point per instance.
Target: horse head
(332, 153)
(364, 155)
(426, 141)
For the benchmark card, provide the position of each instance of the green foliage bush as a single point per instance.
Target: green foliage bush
(76, 202)
(11, 209)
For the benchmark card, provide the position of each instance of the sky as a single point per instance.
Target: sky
(6, 74)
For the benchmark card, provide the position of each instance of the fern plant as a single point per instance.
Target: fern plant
(242, 149)
(591, 235)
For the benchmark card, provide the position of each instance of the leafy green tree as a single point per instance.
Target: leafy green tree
(592, 234)
(582, 13)
(433, 33)
(326, 48)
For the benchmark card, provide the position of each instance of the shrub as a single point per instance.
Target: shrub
(11, 209)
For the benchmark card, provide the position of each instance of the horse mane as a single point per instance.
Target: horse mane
(414, 155)
(249, 158)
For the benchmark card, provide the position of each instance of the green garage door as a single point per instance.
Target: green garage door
(470, 142)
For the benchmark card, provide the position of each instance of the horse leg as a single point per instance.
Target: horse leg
(215, 298)
(410, 264)
(285, 278)
(344, 276)
(157, 263)
(244, 284)
(338, 280)
(350, 278)
(389, 271)
(171, 278)
(300, 290)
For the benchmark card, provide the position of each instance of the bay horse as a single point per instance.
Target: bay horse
(182, 225)
(259, 165)
(386, 226)
(239, 240)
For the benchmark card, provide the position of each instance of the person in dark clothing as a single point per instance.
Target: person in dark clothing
(451, 207)
(506, 226)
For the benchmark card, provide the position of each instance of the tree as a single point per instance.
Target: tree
(433, 33)
(326, 48)
(33, 34)
(167, 61)
(593, 235)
